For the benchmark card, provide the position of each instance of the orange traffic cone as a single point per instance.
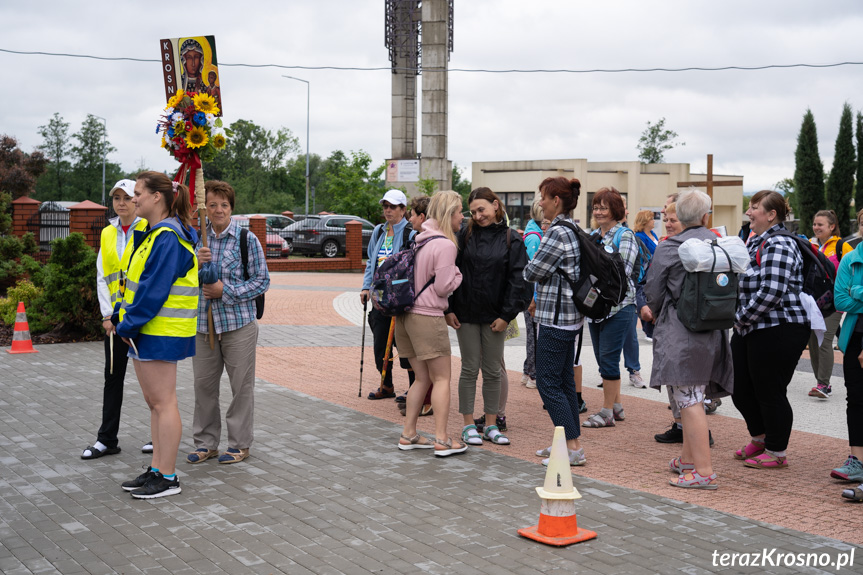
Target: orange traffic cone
(21, 342)
(557, 521)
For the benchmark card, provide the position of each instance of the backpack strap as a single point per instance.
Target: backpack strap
(416, 247)
(244, 252)
(840, 245)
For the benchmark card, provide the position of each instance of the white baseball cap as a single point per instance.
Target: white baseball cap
(395, 197)
(127, 186)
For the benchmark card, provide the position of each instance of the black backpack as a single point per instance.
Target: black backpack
(708, 300)
(819, 274)
(603, 282)
(244, 255)
(393, 290)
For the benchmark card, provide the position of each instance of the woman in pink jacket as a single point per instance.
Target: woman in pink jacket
(422, 332)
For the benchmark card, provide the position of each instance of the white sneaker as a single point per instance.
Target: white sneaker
(531, 384)
(648, 339)
(524, 378)
(636, 381)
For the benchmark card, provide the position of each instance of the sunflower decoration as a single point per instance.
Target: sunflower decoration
(190, 129)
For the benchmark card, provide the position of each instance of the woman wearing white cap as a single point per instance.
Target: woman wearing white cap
(387, 239)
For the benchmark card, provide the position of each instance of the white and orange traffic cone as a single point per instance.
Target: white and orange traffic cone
(21, 342)
(557, 521)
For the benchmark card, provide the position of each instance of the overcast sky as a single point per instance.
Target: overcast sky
(749, 120)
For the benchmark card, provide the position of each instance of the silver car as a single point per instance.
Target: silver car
(325, 234)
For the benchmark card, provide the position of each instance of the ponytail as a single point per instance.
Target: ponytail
(176, 196)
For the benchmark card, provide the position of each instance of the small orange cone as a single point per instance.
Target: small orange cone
(21, 342)
(558, 524)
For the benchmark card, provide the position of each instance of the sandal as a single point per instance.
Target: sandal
(427, 410)
(470, 435)
(598, 420)
(414, 443)
(382, 393)
(448, 448)
(201, 454)
(749, 451)
(233, 455)
(855, 494)
(766, 461)
(493, 434)
(696, 481)
(96, 454)
(544, 452)
(676, 465)
(619, 415)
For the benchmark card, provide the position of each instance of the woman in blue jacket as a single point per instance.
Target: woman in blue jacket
(157, 319)
(848, 293)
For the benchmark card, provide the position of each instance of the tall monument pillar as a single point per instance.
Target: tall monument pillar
(436, 46)
(403, 20)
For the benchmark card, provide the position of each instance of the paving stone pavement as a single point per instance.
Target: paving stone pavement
(325, 491)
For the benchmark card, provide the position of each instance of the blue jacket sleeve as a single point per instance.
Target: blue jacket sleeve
(847, 293)
(371, 253)
(168, 260)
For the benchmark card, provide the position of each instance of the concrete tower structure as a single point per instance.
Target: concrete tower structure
(436, 39)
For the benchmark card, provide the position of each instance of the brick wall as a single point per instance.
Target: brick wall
(88, 219)
(353, 260)
(23, 209)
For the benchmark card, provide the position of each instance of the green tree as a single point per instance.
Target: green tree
(19, 170)
(840, 183)
(655, 141)
(858, 196)
(785, 186)
(427, 185)
(808, 173)
(55, 145)
(460, 184)
(88, 154)
(355, 189)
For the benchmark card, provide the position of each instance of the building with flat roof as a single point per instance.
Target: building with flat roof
(644, 186)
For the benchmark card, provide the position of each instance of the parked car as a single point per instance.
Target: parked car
(325, 234)
(276, 221)
(277, 246)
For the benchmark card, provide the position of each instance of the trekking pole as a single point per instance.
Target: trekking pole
(389, 348)
(363, 348)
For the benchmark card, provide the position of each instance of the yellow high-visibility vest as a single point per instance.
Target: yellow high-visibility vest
(178, 316)
(112, 262)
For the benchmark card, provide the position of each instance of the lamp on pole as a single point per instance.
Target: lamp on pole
(104, 132)
(308, 98)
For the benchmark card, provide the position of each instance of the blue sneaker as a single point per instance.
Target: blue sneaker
(851, 470)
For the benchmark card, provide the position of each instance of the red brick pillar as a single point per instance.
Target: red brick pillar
(88, 219)
(258, 226)
(354, 244)
(23, 209)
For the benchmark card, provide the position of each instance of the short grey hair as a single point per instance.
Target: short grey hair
(536, 211)
(692, 204)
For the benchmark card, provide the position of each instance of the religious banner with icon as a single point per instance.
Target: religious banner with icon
(190, 64)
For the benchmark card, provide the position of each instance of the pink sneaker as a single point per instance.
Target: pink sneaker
(749, 451)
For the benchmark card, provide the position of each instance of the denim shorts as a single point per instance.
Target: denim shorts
(607, 338)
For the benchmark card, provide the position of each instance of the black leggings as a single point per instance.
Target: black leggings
(854, 384)
(380, 325)
(764, 362)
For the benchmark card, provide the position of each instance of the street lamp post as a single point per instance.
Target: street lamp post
(308, 105)
(104, 132)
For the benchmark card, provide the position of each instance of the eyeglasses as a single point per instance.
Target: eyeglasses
(600, 209)
(390, 206)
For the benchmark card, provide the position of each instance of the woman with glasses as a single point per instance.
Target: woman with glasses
(608, 334)
(387, 239)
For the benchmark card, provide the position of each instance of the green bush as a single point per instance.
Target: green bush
(31, 295)
(69, 282)
(15, 260)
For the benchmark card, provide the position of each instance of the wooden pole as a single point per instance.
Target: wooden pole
(201, 200)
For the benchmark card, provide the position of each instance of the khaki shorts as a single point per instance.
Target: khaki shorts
(422, 337)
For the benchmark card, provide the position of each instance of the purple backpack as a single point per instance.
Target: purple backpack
(393, 289)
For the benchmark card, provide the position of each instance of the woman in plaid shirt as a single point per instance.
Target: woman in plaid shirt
(770, 332)
(559, 321)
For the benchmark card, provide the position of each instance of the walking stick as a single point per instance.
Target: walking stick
(111, 340)
(363, 348)
(201, 197)
(389, 348)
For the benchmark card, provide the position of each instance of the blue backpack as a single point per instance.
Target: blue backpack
(393, 290)
(639, 268)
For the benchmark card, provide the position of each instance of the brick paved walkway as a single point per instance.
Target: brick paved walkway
(326, 491)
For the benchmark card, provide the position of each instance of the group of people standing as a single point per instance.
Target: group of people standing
(157, 299)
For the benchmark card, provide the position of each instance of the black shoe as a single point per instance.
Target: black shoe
(673, 435)
(480, 424)
(139, 481)
(157, 486)
(710, 435)
(147, 448)
(500, 422)
(582, 407)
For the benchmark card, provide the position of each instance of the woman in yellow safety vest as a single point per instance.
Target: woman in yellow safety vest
(158, 317)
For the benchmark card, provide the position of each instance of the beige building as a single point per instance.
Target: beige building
(644, 186)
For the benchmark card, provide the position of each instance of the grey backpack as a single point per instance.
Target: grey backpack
(708, 300)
